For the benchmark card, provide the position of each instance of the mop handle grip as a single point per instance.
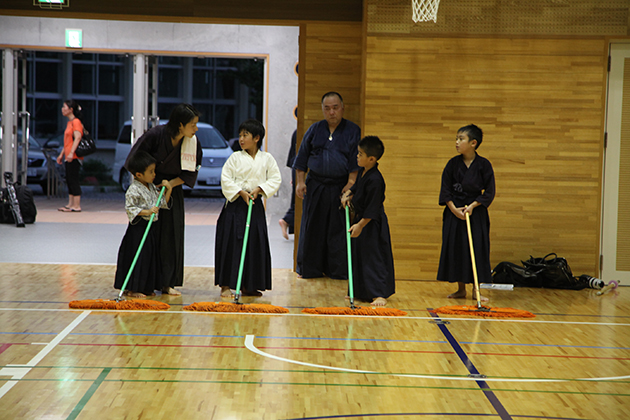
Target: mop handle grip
(350, 281)
(144, 237)
(244, 251)
(472, 259)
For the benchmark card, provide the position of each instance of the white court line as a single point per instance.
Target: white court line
(249, 344)
(17, 372)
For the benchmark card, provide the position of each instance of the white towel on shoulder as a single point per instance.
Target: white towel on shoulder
(189, 154)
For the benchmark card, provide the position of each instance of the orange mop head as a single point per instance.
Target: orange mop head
(236, 307)
(132, 304)
(484, 311)
(359, 310)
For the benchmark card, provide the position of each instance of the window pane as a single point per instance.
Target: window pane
(224, 120)
(202, 62)
(112, 58)
(170, 60)
(46, 117)
(82, 57)
(225, 85)
(47, 77)
(205, 111)
(169, 83)
(108, 119)
(109, 79)
(164, 109)
(202, 84)
(45, 54)
(82, 78)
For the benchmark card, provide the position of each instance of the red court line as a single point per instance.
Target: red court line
(5, 346)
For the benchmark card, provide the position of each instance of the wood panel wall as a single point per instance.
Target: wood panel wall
(539, 100)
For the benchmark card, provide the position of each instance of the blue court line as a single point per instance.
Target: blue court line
(449, 415)
(476, 343)
(492, 398)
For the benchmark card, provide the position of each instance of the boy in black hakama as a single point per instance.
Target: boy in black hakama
(467, 185)
(372, 258)
(140, 200)
(249, 173)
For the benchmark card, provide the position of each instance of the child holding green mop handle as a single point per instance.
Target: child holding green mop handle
(248, 174)
(140, 201)
(372, 258)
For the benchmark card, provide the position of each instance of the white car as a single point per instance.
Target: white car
(215, 152)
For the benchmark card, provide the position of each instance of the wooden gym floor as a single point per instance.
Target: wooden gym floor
(571, 362)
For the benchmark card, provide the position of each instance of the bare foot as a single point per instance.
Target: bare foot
(379, 301)
(255, 293)
(226, 292)
(284, 226)
(134, 294)
(481, 298)
(170, 291)
(457, 295)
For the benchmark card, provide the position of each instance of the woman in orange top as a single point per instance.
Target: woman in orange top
(71, 138)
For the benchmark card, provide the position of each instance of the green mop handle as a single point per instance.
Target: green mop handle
(243, 252)
(144, 237)
(350, 281)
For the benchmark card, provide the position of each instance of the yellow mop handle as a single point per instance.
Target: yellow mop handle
(472, 258)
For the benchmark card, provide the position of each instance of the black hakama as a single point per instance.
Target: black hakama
(322, 242)
(329, 159)
(170, 228)
(229, 245)
(372, 257)
(463, 185)
(146, 275)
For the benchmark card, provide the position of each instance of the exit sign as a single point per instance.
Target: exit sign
(74, 38)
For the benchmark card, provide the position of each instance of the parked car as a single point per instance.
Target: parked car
(215, 152)
(37, 169)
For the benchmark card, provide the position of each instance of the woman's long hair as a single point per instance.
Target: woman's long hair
(181, 114)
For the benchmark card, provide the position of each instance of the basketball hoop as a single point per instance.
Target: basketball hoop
(425, 10)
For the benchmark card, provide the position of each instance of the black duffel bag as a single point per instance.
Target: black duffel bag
(509, 273)
(553, 272)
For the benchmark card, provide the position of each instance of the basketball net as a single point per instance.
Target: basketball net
(425, 10)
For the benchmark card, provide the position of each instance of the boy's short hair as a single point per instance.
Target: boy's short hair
(255, 128)
(372, 146)
(139, 162)
(473, 132)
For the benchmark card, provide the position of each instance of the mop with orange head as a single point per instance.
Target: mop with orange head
(481, 310)
(237, 306)
(353, 310)
(119, 303)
